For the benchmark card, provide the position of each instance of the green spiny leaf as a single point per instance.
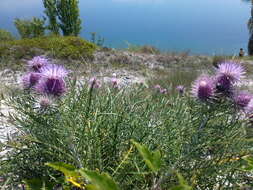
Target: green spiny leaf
(183, 185)
(67, 169)
(152, 159)
(99, 181)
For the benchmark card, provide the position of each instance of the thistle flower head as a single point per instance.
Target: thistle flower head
(37, 63)
(52, 80)
(203, 88)
(249, 107)
(242, 99)
(180, 89)
(95, 83)
(51, 86)
(115, 82)
(29, 80)
(223, 84)
(157, 86)
(232, 71)
(163, 91)
(54, 71)
(45, 102)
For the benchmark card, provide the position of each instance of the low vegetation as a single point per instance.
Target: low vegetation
(55, 46)
(5, 35)
(146, 49)
(97, 136)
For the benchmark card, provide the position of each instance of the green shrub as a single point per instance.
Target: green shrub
(148, 49)
(5, 35)
(55, 46)
(30, 28)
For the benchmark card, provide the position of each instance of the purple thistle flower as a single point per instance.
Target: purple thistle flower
(233, 71)
(203, 88)
(115, 82)
(180, 89)
(45, 102)
(249, 107)
(227, 74)
(51, 86)
(30, 79)
(163, 91)
(224, 84)
(157, 86)
(242, 99)
(52, 80)
(94, 83)
(52, 70)
(37, 63)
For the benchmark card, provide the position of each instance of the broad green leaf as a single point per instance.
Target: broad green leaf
(67, 169)
(182, 181)
(183, 185)
(99, 181)
(38, 184)
(92, 187)
(70, 172)
(152, 159)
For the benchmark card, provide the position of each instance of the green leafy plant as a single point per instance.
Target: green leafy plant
(96, 181)
(99, 181)
(56, 46)
(76, 177)
(90, 129)
(103, 181)
(183, 185)
(30, 28)
(152, 159)
(5, 35)
(71, 174)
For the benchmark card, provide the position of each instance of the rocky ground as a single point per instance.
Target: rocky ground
(9, 81)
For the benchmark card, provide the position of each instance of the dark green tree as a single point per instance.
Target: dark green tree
(69, 17)
(51, 12)
(63, 15)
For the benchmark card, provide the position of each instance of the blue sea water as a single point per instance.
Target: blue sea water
(200, 26)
